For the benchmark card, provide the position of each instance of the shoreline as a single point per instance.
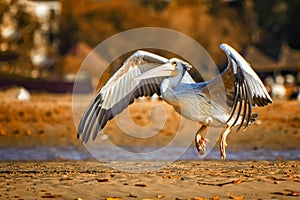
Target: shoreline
(72, 153)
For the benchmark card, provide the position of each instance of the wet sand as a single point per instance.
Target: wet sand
(180, 180)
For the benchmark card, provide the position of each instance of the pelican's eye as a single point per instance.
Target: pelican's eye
(174, 63)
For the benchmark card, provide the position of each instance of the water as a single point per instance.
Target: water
(73, 153)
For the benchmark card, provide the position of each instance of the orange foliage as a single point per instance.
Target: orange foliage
(208, 23)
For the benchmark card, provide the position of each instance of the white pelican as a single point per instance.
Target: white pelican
(144, 74)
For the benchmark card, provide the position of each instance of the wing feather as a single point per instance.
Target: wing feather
(119, 92)
(243, 89)
(249, 90)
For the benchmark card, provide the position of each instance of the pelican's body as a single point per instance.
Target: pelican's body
(191, 102)
(225, 101)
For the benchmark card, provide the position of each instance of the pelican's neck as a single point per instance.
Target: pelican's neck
(170, 83)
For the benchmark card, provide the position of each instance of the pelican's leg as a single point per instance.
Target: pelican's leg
(200, 140)
(223, 143)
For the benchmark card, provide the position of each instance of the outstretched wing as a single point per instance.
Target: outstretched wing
(243, 88)
(248, 89)
(119, 92)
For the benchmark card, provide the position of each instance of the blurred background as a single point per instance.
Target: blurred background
(49, 39)
(43, 43)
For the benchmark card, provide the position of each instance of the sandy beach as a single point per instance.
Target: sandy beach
(181, 180)
(47, 121)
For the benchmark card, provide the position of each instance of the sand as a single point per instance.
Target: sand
(181, 180)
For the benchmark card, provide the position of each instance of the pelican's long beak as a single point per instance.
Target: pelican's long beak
(162, 70)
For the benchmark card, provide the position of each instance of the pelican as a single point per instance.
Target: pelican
(145, 74)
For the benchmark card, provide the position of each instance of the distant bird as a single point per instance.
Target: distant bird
(278, 89)
(23, 95)
(144, 74)
(19, 93)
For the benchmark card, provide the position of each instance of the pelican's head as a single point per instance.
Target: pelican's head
(171, 68)
(179, 65)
